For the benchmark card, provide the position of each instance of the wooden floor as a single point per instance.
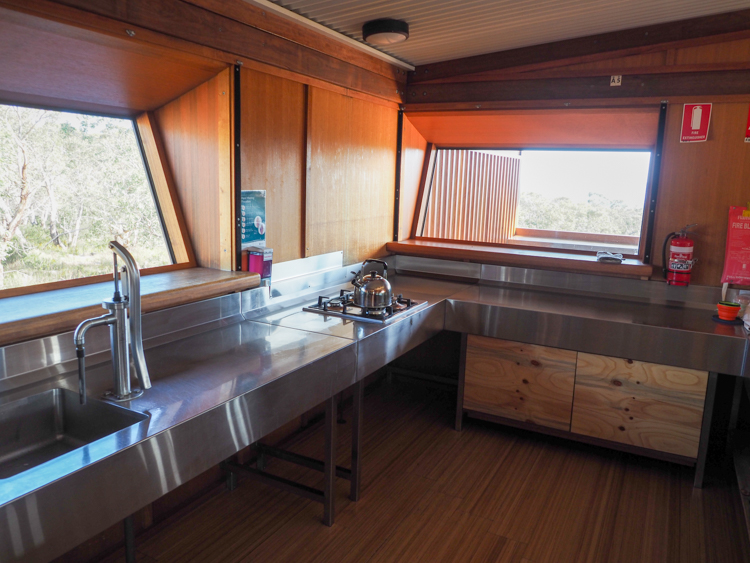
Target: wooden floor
(487, 494)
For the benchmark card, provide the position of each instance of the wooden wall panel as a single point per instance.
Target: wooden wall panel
(640, 404)
(413, 147)
(328, 139)
(351, 176)
(273, 156)
(700, 181)
(520, 381)
(371, 182)
(636, 128)
(196, 130)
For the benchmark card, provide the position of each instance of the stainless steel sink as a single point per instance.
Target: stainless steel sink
(47, 425)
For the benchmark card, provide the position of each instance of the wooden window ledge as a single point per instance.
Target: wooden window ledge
(52, 312)
(537, 259)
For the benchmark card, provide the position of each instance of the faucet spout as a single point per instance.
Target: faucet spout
(79, 336)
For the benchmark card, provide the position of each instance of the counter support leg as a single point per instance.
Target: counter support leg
(461, 382)
(329, 463)
(260, 461)
(129, 539)
(357, 397)
(708, 413)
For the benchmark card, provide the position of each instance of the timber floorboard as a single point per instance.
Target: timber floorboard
(489, 494)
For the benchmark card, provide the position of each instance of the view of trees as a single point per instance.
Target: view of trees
(69, 184)
(597, 215)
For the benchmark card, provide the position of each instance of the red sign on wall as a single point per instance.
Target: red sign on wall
(695, 121)
(747, 128)
(737, 254)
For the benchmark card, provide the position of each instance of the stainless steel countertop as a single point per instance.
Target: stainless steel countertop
(292, 316)
(214, 393)
(222, 389)
(661, 333)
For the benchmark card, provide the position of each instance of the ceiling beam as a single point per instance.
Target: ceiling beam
(714, 83)
(594, 47)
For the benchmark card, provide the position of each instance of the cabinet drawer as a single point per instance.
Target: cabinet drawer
(519, 381)
(646, 405)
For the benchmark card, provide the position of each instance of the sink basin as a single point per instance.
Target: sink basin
(47, 425)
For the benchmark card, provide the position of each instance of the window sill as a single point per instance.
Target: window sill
(537, 259)
(41, 314)
(578, 246)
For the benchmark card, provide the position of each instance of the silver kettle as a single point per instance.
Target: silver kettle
(372, 291)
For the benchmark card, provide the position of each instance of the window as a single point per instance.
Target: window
(70, 183)
(579, 200)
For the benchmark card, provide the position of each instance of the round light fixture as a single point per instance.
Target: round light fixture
(385, 31)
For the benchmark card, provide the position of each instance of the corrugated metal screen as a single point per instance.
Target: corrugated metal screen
(473, 197)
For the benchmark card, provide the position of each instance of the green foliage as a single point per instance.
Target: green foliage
(76, 182)
(597, 215)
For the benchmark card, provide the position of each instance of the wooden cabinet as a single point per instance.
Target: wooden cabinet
(518, 381)
(639, 404)
(585, 396)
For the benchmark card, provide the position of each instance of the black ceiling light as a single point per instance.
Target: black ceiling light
(385, 31)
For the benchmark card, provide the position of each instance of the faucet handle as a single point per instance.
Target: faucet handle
(132, 287)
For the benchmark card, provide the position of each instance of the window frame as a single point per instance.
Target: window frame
(163, 192)
(428, 179)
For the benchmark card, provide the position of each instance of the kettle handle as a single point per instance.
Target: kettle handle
(384, 264)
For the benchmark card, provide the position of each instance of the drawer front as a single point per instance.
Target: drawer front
(519, 381)
(646, 405)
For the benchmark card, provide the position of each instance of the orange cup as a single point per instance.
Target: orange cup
(728, 310)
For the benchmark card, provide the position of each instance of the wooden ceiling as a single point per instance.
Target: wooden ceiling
(51, 64)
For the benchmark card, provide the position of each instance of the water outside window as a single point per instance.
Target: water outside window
(70, 183)
(601, 192)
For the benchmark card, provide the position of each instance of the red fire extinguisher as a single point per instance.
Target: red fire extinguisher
(680, 264)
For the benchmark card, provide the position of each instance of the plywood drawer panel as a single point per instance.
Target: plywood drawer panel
(646, 405)
(519, 381)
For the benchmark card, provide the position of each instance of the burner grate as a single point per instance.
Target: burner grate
(343, 306)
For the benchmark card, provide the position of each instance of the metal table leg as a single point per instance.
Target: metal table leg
(129, 539)
(461, 382)
(357, 398)
(329, 464)
(708, 413)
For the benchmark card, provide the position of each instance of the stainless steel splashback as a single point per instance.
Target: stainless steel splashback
(656, 292)
(50, 357)
(297, 282)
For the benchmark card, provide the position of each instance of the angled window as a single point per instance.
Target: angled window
(70, 183)
(575, 199)
(567, 180)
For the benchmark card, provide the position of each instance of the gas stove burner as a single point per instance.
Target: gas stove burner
(343, 306)
(375, 312)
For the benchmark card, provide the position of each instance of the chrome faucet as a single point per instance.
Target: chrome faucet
(124, 321)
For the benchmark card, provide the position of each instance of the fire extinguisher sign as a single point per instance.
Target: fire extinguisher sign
(695, 121)
(737, 255)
